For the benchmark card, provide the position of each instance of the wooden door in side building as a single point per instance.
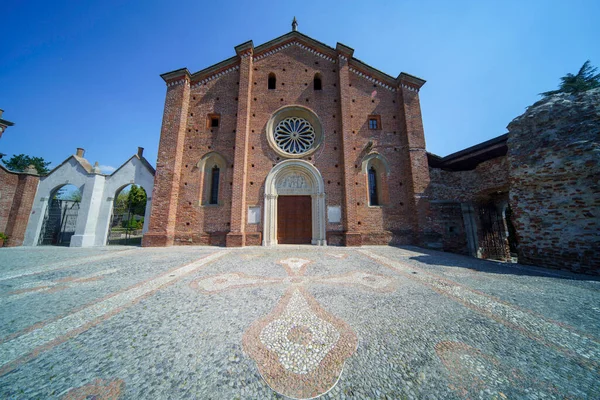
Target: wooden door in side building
(294, 219)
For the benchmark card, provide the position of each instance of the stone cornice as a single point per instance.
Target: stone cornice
(410, 82)
(245, 49)
(389, 86)
(216, 75)
(344, 51)
(294, 42)
(176, 75)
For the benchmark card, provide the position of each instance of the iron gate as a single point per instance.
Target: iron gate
(59, 222)
(126, 226)
(492, 237)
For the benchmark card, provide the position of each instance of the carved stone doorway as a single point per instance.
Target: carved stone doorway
(295, 178)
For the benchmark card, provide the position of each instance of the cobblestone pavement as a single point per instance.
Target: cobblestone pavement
(295, 321)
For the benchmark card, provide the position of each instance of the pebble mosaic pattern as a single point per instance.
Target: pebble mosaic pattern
(292, 321)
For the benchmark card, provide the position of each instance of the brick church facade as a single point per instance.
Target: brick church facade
(291, 141)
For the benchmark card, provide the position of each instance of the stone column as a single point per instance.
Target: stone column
(165, 194)
(269, 234)
(414, 152)
(236, 236)
(89, 211)
(351, 235)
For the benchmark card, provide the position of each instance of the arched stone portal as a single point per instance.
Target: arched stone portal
(294, 178)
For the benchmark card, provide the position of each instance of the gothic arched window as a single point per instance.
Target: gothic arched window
(213, 169)
(272, 81)
(317, 84)
(373, 195)
(214, 185)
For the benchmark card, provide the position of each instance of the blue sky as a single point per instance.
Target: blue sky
(86, 74)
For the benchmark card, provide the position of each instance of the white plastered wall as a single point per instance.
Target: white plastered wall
(133, 171)
(97, 196)
(68, 173)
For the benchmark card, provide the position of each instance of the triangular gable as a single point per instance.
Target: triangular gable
(142, 159)
(87, 167)
(295, 38)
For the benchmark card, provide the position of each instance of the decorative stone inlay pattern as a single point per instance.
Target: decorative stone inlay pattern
(299, 337)
(338, 255)
(54, 286)
(295, 266)
(472, 372)
(100, 389)
(62, 265)
(377, 283)
(218, 283)
(300, 349)
(294, 135)
(557, 336)
(371, 79)
(24, 347)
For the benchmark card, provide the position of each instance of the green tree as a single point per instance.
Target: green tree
(586, 79)
(137, 200)
(19, 163)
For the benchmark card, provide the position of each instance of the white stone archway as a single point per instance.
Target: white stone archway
(294, 177)
(97, 196)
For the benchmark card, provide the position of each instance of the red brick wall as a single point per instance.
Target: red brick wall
(17, 192)
(241, 139)
(165, 195)
(198, 223)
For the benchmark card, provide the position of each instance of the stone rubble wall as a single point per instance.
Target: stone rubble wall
(466, 186)
(448, 189)
(554, 160)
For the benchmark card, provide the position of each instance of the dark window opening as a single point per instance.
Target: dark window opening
(317, 84)
(213, 120)
(272, 81)
(373, 123)
(214, 186)
(373, 199)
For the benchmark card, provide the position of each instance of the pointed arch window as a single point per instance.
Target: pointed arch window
(272, 81)
(373, 195)
(317, 83)
(214, 185)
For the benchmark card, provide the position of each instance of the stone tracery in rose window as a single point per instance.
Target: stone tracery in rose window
(294, 135)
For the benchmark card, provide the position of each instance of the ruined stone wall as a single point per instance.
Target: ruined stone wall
(448, 189)
(463, 186)
(554, 158)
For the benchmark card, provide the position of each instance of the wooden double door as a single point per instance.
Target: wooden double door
(294, 219)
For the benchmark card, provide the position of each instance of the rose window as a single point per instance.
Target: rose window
(294, 135)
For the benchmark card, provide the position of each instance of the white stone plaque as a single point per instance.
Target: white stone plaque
(253, 215)
(334, 214)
